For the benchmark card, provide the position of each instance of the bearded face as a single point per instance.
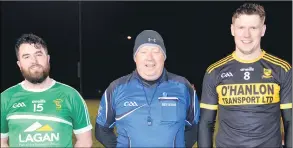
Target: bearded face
(33, 63)
(36, 73)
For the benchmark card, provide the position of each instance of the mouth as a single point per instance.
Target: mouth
(246, 41)
(150, 65)
(36, 67)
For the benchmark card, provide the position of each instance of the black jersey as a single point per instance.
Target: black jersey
(248, 97)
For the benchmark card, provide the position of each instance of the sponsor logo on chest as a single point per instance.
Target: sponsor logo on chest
(38, 133)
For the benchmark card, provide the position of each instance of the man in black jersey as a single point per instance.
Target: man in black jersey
(250, 90)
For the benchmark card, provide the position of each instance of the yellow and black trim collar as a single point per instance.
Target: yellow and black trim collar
(248, 61)
(277, 61)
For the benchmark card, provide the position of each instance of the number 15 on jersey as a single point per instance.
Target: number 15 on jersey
(38, 107)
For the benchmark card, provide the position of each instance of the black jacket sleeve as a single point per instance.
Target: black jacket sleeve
(193, 114)
(206, 128)
(191, 135)
(286, 104)
(287, 120)
(105, 136)
(208, 109)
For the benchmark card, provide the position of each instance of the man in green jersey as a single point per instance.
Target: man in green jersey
(41, 112)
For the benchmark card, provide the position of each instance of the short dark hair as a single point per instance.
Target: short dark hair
(30, 39)
(250, 9)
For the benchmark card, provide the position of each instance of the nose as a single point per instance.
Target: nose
(34, 59)
(246, 33)
(149, 56)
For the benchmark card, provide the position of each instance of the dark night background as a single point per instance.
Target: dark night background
(196, 34)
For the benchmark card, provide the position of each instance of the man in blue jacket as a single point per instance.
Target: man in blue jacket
(150, 107)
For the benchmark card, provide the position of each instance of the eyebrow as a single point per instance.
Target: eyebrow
(26, 54)
(39, 52)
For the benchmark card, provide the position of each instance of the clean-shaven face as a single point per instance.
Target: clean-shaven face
(149, 62)
(247, 31)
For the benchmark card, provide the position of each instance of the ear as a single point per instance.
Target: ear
(48, 58)
(263, 30)
(18, 63)
(232, 29)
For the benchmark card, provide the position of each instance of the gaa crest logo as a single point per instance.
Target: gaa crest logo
(267, 73)
(58, 103)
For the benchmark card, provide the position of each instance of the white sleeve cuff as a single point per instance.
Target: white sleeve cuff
(4, 135)
(82, 130)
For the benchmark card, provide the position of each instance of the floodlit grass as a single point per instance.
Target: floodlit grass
(93, 108)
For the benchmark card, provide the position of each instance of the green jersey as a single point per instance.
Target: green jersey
(43, 118)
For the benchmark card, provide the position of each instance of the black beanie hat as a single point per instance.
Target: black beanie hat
(149, 37)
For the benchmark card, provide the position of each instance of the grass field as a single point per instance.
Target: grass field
(93, 108)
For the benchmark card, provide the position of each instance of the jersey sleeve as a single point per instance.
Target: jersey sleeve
(106, 112)
(80, 115)
(209, 106)
(209, 98)
(286, 89)
(4, 123)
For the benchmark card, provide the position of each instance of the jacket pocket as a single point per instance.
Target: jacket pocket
(169, 106)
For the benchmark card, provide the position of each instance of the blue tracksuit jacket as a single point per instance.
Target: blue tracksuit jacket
(149, 116)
